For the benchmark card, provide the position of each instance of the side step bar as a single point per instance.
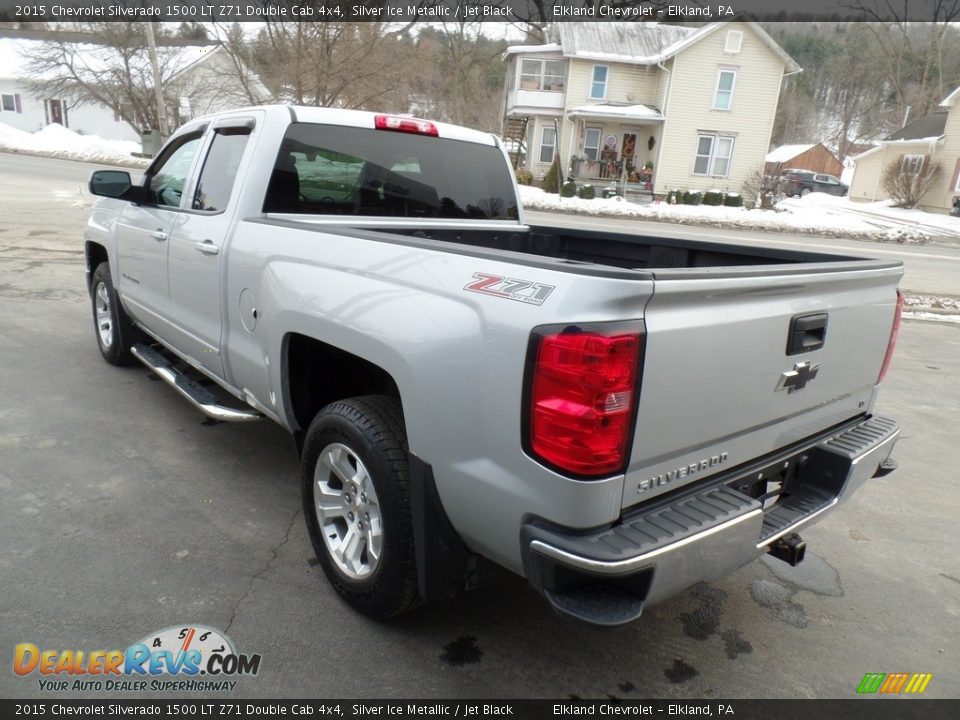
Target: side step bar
(203, 399)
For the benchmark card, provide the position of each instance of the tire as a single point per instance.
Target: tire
(805, 191)
(114, 331)
(356, 502)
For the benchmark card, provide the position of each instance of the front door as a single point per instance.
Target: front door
(56, 111)
(142, 232)
(197, 249)
(628, 152)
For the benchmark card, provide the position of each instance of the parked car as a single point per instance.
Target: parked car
(614, 417)
(803, 182)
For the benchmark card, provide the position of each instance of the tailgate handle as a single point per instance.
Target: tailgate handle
(807, 333)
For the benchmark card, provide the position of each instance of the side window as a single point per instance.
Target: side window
(167, 181)
(220, 171)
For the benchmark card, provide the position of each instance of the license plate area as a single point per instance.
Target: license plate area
(771, 484)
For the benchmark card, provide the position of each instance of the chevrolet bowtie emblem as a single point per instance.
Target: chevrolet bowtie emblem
(798, 378)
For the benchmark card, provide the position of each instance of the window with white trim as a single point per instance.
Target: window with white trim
(548, 144)
(723, 96)
(912, 164)
(714, 155)
(8, 103)
(591, 143)
(598, 82)
(957, 188)
(544, 75)
(733, 42)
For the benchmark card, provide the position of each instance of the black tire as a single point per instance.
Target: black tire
(805, 191)
(371, 428)
(124, 333)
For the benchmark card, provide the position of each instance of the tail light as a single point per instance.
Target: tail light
(894, 331)
(405, 124)
(583, 389)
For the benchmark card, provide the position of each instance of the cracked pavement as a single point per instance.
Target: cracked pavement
(124, 513)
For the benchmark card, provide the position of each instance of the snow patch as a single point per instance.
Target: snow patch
(59, 142)
(806, 219)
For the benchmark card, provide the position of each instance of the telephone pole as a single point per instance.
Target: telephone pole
(157, 86)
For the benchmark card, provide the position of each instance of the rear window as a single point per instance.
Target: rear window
(334, 170)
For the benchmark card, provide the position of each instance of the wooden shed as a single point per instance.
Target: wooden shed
(813, 156)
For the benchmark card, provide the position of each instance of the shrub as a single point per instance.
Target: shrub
(551, 181)
(524, 176)
(568, 189)
(733, 200)
(764, 191)
(713, 197)
(691, 197)
(906, 184)
(587, 192)
(673, 197)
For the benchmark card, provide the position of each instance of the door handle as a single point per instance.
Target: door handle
(207, 247)
(158, 235)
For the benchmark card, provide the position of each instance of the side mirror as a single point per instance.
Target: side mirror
(110, 183)
(115, 184)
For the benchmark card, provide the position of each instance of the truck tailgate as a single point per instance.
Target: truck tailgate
(719, 387)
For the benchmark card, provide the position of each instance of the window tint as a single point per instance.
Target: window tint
(333, 170)
(219, 172)
(9, 103)
(167, 182)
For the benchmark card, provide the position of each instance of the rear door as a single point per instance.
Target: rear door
(142, 232)
(738, 366)
(197, 243)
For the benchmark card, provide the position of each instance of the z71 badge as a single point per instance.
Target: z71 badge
(525, 291)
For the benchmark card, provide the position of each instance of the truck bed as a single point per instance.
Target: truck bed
(597, 248)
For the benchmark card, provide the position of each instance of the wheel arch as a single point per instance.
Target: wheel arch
(316, 373)
(94, 254)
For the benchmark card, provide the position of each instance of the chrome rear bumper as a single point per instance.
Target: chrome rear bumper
(702, 533)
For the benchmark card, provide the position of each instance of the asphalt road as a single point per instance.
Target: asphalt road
(124, 512)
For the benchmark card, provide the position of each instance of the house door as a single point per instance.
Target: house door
(56, 111)
(628, 153)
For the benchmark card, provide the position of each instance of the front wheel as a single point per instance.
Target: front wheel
(356, 500)
(114, 330)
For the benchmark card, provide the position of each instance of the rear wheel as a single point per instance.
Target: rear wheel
(114, 330)
(356, 500)
(805, 191)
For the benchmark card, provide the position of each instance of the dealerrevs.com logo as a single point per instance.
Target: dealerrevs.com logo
(179, 659)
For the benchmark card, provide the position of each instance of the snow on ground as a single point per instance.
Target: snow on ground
(59, 142)
(881, 209)
(805, 218)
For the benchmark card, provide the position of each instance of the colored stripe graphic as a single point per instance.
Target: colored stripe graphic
(894, 683)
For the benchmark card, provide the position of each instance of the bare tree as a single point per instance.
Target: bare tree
(906, 184)
(918, 59)
(108, 65)
(331, 64)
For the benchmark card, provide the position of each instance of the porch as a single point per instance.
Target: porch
(615, 143)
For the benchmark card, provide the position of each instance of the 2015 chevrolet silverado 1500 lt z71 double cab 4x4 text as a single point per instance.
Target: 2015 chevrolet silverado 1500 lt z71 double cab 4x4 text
(615, 417)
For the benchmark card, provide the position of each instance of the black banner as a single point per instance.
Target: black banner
(872, 709)
(471, 10)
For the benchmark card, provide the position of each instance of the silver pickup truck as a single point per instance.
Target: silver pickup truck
(615, 417)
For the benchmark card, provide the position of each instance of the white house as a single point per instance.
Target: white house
(202, 77)
(663, 106)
